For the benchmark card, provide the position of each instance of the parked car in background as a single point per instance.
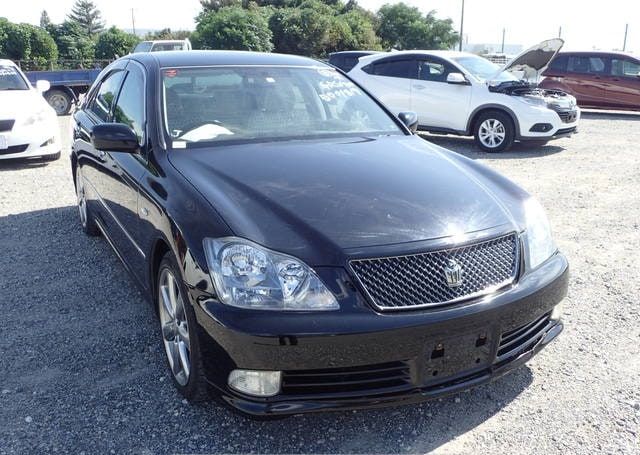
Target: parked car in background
(66, 86)
(346, 60)
(601, 80)
(163, 45)
(28, 125)
(303, 249)
(460, 93)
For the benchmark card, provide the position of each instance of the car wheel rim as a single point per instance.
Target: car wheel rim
(59, 103)
(175, 329)
(82, 200)
(492, 133)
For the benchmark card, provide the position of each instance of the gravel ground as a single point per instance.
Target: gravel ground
(82, 367)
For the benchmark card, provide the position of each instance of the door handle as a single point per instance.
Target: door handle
(144, 211)
(418, 86)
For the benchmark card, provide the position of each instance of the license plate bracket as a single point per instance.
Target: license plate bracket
(454, 355)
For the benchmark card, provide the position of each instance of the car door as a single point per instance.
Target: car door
(623, 83)
(390, 81)
(97, 109)
(586, 78)
(438, 103)
(122, 172)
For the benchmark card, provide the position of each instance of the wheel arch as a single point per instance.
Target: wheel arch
(473, 118)
(158, 250)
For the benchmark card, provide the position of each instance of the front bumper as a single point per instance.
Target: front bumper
(38, 140)
(358, 358)
(556, 125)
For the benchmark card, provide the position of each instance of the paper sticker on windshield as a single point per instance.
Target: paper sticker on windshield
(179, 145)
(170, 73)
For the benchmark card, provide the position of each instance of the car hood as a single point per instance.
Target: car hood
(318, 200)
(531, 63)
(20, 103)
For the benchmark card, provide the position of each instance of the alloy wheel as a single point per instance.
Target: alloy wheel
(175, 328)
(492, 133)
(82, 200)
(59, 103)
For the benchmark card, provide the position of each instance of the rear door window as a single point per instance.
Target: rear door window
(624, 67)
(406, 69)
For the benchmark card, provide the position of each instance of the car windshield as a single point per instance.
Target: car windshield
(267, 103)
(10, 79)
(484, 70)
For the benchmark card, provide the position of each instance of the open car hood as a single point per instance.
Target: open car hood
(531, 63)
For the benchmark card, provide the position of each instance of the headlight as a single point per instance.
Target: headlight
(35, 118)
(247, 275)
(533, 101)
(540, 244)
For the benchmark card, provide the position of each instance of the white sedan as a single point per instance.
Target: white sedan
(463, 94)
(28, 125)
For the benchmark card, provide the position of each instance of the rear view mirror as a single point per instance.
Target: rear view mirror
(457, 78)
(114, 137)
(42, 85)
(410, 120)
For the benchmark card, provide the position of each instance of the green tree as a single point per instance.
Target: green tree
(216, 5)
(72, 42)
(404, 27)
(317, 28)
(45, 22)
(44, 51)
(167, 34)
(27, 42)
(115, 43)
(305, 30)
(86, 14)
(233, 27)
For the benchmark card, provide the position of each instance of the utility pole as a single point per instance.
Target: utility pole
(560, 32)
(626, 29)
(133, 22)
(503, 31)
(461, 26)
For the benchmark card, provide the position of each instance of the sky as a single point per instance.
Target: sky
(585, 25)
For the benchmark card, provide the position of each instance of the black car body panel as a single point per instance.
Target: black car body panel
(324, 201)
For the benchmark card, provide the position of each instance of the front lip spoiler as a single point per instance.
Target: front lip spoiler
(416, 395)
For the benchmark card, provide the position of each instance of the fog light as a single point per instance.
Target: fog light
(256, 383)
(556, 314)
(49, 141)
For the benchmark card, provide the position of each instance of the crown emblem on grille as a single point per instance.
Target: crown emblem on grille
(453, 273)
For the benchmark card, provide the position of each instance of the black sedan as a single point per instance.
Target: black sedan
(304, 250)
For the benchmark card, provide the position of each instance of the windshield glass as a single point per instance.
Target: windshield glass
(10, 79)
(483, 70)
(267, 103)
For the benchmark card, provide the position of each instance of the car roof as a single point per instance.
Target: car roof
(7, 62)
(600, 53)
(435, 53)
(168, 59)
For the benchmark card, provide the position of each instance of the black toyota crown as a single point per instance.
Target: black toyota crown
(304, 250)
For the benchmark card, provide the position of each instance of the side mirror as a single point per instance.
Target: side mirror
(410, 120)
(42, 85)
(457, 78)
(114, 137)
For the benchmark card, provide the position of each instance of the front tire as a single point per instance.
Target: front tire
(494, 131)
(178, 328)
(87, 220)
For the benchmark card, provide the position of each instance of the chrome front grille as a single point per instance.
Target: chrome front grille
(422, 280)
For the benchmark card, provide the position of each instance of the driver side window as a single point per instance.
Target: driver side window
(130, 106)
(105, 97)
(434, 71)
